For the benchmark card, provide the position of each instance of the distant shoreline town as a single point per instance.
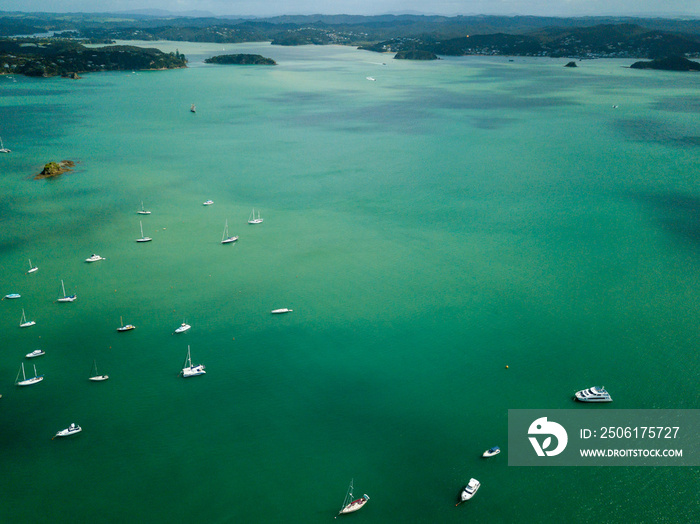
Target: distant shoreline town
(45, 44)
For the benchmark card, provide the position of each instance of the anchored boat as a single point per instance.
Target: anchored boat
(349, 504)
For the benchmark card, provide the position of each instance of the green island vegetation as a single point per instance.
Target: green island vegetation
(673, 63)
(52, 57)
(412, 37)
(416, 54)
(240, 59)
(53, 169)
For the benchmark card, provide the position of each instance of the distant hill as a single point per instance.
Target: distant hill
(588, 37)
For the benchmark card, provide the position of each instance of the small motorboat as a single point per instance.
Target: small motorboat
(35, 353)
(183, 327)
(12, 295)
(94, 258)
(70, 430)
(208, 203)
(281, 310)
(469, 491)
(593, 394)
(491, 452)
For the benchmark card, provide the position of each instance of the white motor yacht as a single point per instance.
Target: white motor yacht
(593, 394)
(469, 490)
(70, 430)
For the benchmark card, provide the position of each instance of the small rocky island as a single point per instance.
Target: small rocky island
(571, 64)
(672, 63)
(53, 169)
(240, 59)
(416, 54)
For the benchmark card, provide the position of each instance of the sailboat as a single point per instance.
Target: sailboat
(350, 505)
(252, 219)
(65, 298)
(225, 239)
(189, 370)
(143, 211)
(193, 108)
(3, 149)
(128, 327)
(23, 322)
(27, 381)
(32, 269)
(143, 238)
(95, 377)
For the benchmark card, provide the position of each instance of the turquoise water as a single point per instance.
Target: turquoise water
(428, 229)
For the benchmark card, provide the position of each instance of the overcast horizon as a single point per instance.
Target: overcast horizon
(250, 8)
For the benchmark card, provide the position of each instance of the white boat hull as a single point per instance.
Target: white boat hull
(67, 299)
(99, 378)
(35, 354)
(470, 490)
(31, 381)
(183, 328)
(128, 327)
(229, 240)
(68, 431)
(27, 324)
(193, 371)
(32, 270)
(355, 505)
(281, 310)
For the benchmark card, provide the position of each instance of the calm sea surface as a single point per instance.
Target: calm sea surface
(428, 228)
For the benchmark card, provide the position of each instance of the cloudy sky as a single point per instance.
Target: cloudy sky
(370, 7)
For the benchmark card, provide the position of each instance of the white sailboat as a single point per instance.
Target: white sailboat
(95, 377)
(143, 238)
(27, 381)
(193, 108)
(23, 322)
(94, 258)
(225, 239)
(281, 310)
(128, 327)
(189, 370)
(32, 269)
(3, 149)
(66, 298)
(252, 219)
(143, 211)
(350, 505)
